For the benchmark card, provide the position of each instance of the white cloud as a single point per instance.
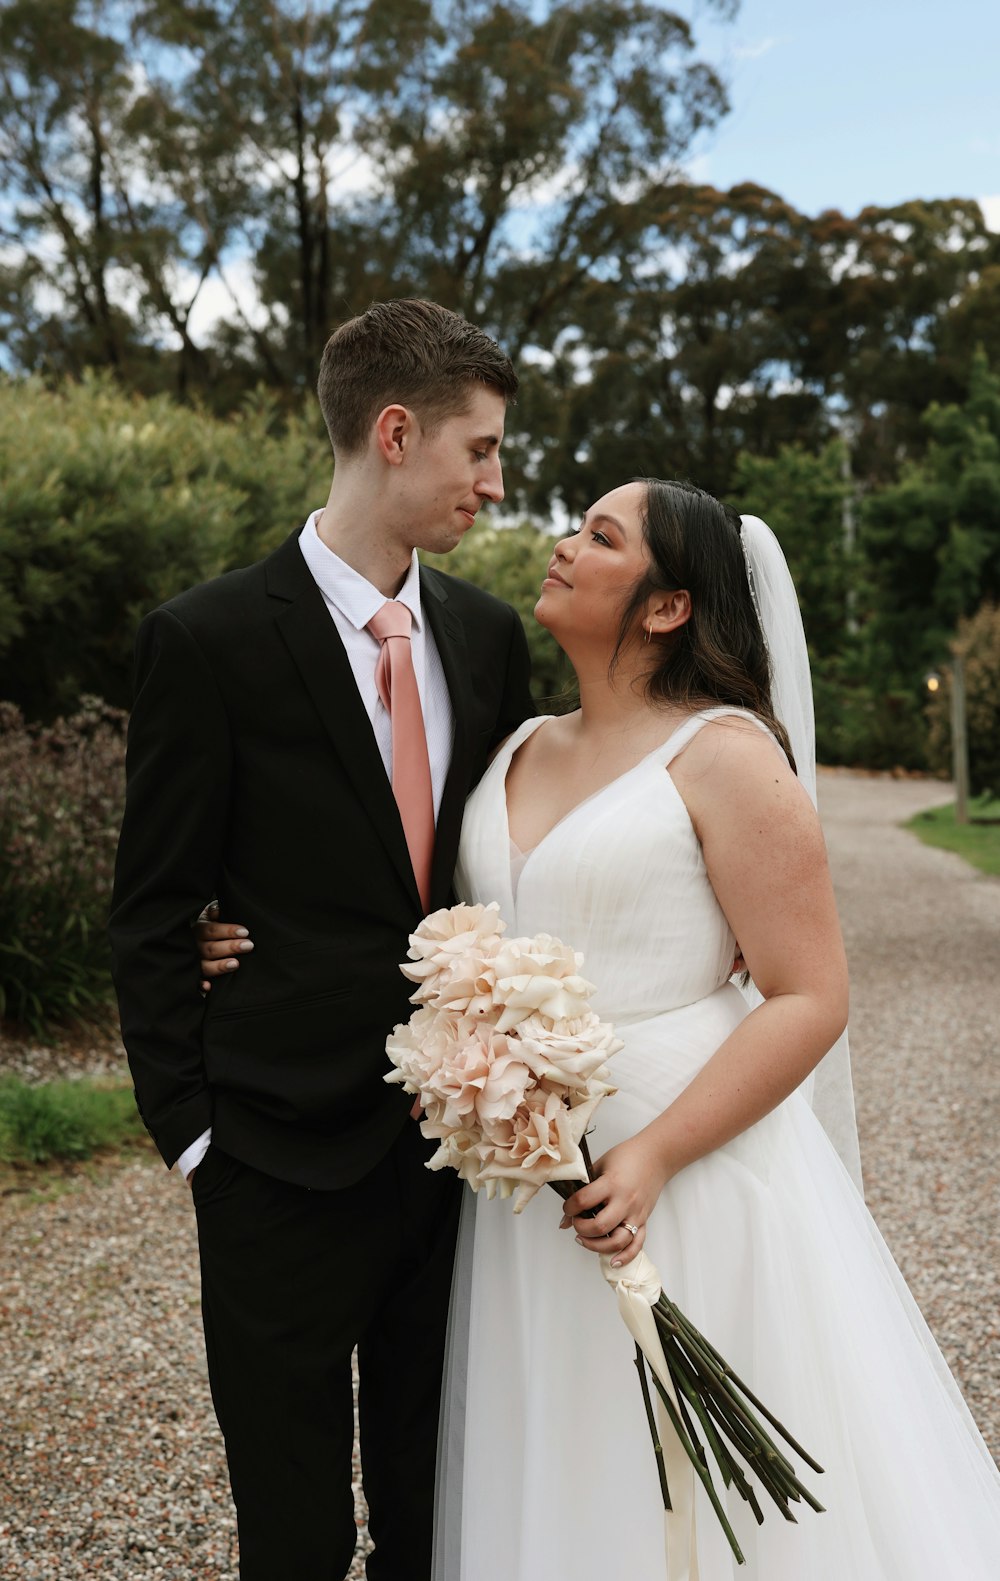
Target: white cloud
(991, 211)
(755, 51)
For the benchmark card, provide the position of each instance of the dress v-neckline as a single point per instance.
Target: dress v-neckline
(514, 745)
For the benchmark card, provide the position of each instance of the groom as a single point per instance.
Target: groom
(303, 738)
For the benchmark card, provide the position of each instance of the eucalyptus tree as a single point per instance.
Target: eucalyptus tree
(294, 159)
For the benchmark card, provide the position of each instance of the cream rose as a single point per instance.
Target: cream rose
(450, 954)
(570, 1052)
(538, 976)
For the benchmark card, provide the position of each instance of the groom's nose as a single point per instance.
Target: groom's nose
(490, 485)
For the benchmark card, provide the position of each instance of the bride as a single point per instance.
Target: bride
(651, 829)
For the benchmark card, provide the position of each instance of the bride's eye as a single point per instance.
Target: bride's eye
(599, 537)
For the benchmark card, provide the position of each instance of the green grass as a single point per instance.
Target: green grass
(978, 843)
(68, 1120)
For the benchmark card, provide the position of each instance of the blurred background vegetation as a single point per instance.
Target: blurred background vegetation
(195, 194)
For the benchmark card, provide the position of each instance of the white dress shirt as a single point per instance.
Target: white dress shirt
(352, 601)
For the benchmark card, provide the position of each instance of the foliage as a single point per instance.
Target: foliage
(977, 642)
(194, 212)
(61, 792)
(63, 1119)
(511, 562)
(809, 502)
(736, 325)
(932, 539)
(487, 155)
(864, 725)
(978, 842)
(803, 498)
(113, 504)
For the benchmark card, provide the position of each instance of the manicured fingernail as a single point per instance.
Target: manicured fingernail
(231, 966)
(245, 944)
(616, 1262)
(242, 933)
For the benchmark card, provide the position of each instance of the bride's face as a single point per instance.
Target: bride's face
(593, 571)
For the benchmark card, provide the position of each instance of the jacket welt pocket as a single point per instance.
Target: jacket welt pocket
(282, 1006)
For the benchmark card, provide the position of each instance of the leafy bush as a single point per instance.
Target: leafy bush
(510, 562)
(112, 504)
(61, 792)
(866, 726)
(978, 643)
(63, 1119)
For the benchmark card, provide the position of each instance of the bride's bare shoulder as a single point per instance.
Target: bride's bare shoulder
(730, 754)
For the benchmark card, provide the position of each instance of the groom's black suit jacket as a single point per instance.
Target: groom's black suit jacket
(254, 775)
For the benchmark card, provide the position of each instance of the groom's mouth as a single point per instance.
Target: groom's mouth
(469, 515)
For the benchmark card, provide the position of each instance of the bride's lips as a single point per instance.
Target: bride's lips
(552, 576)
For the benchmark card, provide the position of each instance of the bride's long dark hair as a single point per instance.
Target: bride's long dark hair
(719, 654)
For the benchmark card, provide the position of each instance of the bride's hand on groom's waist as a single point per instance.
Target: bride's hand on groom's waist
(220, 944)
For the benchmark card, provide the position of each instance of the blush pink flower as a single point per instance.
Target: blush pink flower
(571, 1052)
(450, 958)
(538, 976)
(506, 1055)
(541, 1142)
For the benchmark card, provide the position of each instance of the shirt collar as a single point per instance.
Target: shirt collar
(356, 598)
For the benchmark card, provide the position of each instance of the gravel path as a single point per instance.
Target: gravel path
(110, 1461)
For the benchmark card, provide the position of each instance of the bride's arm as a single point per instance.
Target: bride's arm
(766, 860)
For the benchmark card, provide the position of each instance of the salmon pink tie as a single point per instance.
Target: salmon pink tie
(396, 682)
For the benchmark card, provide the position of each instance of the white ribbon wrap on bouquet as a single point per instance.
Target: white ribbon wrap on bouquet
(637, 1287)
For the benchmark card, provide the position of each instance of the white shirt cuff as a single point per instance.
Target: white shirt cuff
(193, 1155)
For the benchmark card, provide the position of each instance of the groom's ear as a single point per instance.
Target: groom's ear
(394, 430)
(668, 611)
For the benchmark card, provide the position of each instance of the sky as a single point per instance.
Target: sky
(839, 103)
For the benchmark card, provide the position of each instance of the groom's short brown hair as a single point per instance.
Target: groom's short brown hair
(411, 352)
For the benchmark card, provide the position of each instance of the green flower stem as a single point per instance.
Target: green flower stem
(725, 1381)
(700, 1468)
(640, 1363)
(708, 1390)
(750, 1438)
(723, 1366)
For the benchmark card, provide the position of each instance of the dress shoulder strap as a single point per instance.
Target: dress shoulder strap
(685, 733)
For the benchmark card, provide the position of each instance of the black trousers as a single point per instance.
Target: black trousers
(292, 1280)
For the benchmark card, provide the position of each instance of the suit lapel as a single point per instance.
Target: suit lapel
(319, 655)
(450, 639)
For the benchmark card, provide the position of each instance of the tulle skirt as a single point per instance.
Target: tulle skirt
(547, 1470)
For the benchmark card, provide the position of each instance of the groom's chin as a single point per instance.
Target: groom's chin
(443, 539)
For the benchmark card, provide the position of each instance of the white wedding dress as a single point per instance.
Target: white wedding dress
(547, 1470)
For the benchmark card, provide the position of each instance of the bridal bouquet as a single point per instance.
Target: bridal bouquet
(510, 1063)
(507, 1057)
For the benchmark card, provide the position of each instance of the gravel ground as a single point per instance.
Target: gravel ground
(110, 1460)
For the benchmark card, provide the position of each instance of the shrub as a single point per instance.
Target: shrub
(112, 504)
(978, 643)
(510, 562)
(61, 794)
(867, 726)
(63, 1119)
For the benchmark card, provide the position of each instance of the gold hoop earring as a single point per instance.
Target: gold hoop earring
(649, 632)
